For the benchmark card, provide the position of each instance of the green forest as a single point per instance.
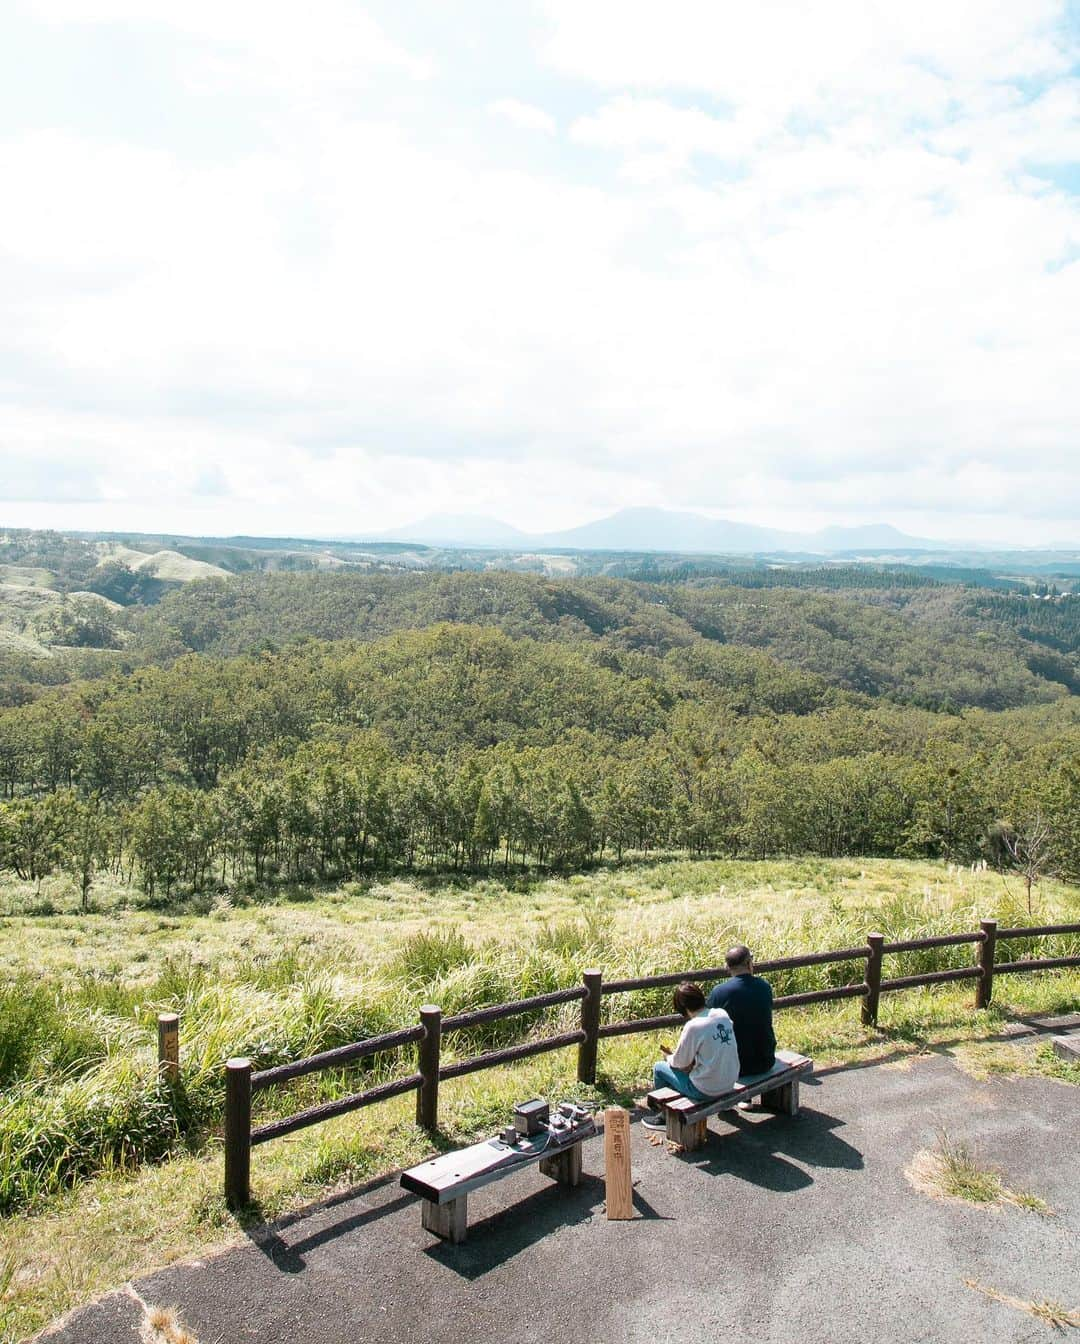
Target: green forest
(327, 725)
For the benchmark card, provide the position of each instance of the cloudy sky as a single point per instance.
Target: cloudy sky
(325, 268)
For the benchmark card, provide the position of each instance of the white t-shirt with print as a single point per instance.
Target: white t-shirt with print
(707, 1051)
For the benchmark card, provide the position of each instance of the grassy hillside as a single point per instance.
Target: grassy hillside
(167, 565)
(37, 621)
(83, 1127)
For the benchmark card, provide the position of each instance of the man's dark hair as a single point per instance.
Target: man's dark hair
(739, 955)
(688, 999)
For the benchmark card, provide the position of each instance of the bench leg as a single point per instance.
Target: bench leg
(564, 1167)
(688, 1135)
(446, 1220)
(784, 1100)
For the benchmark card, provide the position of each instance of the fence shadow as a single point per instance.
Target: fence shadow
(287, 1253)
(1032, 1026)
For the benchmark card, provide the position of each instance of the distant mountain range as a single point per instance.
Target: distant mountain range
(647, 529)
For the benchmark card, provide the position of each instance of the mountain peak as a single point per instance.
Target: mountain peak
(646, 527)
(459, 529)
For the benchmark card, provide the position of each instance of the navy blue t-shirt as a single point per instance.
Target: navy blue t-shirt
(748, 1001)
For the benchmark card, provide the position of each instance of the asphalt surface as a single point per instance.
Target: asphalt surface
(780, 1228)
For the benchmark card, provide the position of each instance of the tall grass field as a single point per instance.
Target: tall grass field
(105, 1172)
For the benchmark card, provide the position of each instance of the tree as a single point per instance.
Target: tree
(576, 826)
(949, 809)
(33, 833)
(157, 840)
(484, 840)
(1031, 850)
(86, 846)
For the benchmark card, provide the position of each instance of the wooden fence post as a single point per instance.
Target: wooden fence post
(984, 986)
(875, 941)
(237, 1132)
(590, 1025)
(168, 1047)
(429, 1048)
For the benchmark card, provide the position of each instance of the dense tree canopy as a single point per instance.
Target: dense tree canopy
(532, 722)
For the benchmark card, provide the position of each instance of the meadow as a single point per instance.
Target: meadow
(103, 1172)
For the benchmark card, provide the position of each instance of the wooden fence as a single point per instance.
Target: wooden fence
(242, 1082)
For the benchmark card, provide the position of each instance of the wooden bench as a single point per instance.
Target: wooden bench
(445, 1182)
(778, 1090)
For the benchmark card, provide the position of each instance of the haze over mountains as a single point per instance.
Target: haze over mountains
(652, 529)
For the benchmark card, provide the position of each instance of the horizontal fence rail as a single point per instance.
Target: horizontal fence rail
(932, 978)
(314, 1115)
(942, 940)
(721, 972)
(820, 996)
(641, 1024)
(1035, 964)
(242, 1082)
(334, 1059)
(1038, 932)
(463, 1021)
(810, 959)
(511, 1053)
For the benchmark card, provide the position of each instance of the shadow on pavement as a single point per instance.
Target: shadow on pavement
(1031, 1026)
(495, 1240)
(758, 1150)
(288, 1256)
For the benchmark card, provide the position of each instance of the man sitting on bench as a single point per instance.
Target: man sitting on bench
(705, 1063)
(747, 998)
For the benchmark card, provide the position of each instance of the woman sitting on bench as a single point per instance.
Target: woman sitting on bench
(705, 1063)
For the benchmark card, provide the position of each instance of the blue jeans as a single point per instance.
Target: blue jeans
(665, 1076)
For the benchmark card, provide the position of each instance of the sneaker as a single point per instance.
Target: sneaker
(654, 1120)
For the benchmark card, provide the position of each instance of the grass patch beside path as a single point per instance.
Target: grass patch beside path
(1018, 1058)
(951, 1170)
(162, 1325)
(1052, 1314)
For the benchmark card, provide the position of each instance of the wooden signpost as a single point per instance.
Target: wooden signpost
(168, 1037)
(620, 1194)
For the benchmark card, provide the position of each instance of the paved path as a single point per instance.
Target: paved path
(778, 1229)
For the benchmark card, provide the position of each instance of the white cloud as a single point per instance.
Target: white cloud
(633, 123)
(781, 54)
(251, 45)
(526, 115)
(780, 262)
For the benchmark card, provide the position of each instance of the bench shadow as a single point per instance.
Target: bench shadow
(763, 1150)
(494, 1240)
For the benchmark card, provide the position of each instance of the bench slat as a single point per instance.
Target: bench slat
(661, 1097)
(453, 1174)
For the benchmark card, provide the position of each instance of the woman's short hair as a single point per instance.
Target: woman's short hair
(689, 998)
